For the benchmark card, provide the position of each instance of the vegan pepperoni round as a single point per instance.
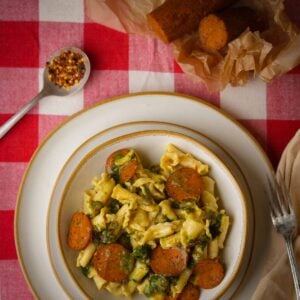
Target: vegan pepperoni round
(190, 292)
(113, 262)
(209, 273)
(111, 159)
(126, 171)
(168, 262)
(184, 184)
(80, 231)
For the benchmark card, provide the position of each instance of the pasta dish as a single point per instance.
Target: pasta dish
(157, 231)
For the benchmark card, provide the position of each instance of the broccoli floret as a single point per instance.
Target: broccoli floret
(85, 270)
(115, 174)
(215, 223)
(114, 206)
(141, 252)
(124, 240)
(90, 207)
(202, 241)
(158, 284)
(127, 263)
(107, 237)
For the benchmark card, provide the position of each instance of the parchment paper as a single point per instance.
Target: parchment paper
(265, 54)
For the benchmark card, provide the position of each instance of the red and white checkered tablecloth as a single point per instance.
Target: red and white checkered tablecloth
(31, 30)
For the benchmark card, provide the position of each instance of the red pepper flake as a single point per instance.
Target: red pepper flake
(66, 70)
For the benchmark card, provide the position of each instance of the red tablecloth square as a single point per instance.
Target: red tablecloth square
(279, 133)
(10, 178)
(104, 84)
(56, 35)
(108, 49)
(16, 10)
(283, 100)
(149, 54)
(258, 128)
(19, 44)
(13, 285)
(48, 123)
(185, 85)
(177, 68)
(17, 87)
(295, 70)
(21, 141)
(7, 249)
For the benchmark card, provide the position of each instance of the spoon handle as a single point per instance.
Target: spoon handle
(17, 116)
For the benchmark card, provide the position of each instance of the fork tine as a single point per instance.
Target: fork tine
(286, 193)
(273, 200)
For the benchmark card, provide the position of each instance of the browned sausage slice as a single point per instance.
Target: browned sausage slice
(111, 159)
(113, 262)
(184, 184)
(80, 231)
(168, 262)
(127, 171)
(209, 273)
(190, 292)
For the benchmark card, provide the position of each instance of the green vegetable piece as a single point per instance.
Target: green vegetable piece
(107, 237)
(115, 174)
(141, 252)
(158, 284)
(85, 270)
(188, 207)
(173, 279)
(114, 206)
(127, 263)
(202, 241)
(215, 223)
(124, 240)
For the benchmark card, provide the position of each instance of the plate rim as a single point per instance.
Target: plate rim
(103, 102)
(122, 125)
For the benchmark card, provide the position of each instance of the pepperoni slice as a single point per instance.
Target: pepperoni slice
(190, 292)
(168, 262)
(209, 273)
(113, 262)
(80, 231)
(126, 171)
(184, 184)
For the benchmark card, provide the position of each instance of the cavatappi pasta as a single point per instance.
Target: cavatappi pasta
(156, 231)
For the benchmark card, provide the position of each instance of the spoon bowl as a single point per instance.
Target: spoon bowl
(55, 90)
(50, 89)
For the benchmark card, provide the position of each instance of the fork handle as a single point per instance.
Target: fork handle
(293, 263)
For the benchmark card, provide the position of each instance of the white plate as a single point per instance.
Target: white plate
(86, 163)
(39, 179)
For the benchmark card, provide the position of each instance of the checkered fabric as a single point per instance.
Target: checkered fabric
(31, 30)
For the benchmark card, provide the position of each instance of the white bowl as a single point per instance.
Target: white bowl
(150, 145)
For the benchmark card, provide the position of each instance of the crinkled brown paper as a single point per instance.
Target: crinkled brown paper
(265, 54)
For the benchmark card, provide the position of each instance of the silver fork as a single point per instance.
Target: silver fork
(284, 221)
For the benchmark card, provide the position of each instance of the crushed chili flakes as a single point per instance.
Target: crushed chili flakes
(66, 70)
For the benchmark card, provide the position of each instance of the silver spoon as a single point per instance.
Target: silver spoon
(49, 89)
